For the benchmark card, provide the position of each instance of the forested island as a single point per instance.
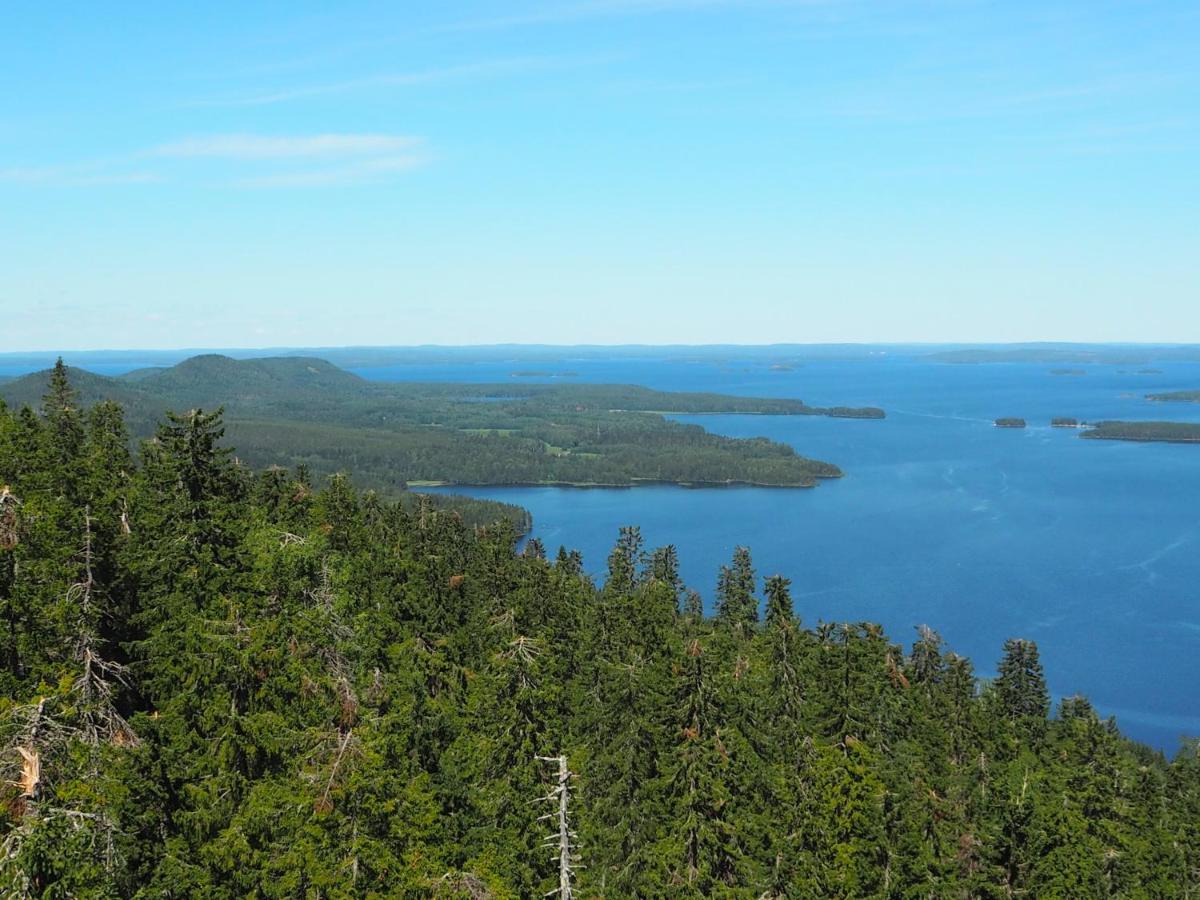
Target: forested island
(221, 682)
(301, 411)
(1176, 397)
(1009, 422)
(1166, 432)
(1064, 422)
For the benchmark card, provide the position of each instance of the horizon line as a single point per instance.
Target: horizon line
(602, 346)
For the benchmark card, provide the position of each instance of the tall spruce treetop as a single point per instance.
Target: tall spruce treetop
(664, 568)
(736, 603)
(1021, 684)
(60, 408)
(60, 397)
(779, 602)
(624, 560)
(925, 662)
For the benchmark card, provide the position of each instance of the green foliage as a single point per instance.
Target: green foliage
(238, 684)
(290, 411)
(1167, 432)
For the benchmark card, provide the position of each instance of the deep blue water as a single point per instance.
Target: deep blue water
(1091, 548)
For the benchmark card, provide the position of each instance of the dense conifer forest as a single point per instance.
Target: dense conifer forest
(219, 682)
(303, 411)
(1164, 432)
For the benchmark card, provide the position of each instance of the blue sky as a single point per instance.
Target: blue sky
(598, 171)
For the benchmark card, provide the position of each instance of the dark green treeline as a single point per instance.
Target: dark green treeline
(216, 683)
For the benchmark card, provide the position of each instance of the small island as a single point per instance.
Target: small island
(1069, 372)
(1009, 422)
(1066, 422)
(1158, 432)
(852, 412)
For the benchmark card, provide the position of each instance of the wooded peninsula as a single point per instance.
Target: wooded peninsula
(293, 411)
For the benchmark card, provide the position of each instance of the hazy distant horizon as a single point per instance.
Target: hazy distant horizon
(603, 347)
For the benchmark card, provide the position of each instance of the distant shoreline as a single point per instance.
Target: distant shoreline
(636, 483)
(1145, 432)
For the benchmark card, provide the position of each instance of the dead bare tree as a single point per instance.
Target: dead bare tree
(561, 841)
(36, 750)
(9, 533)
(42, 733)
(98, 677)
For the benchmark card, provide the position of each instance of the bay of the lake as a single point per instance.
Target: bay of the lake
(1090, 548)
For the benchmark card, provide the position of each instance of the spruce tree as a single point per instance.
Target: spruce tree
(60, 407)
(737, 605)
(1021, 686)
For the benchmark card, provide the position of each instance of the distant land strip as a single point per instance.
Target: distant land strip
(305, 411)
(1176, 397)
(1148, 432)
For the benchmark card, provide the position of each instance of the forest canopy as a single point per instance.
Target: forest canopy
(1166, 432)
(221, 682)
(293, 411)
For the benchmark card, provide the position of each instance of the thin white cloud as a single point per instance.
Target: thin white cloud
(245, 160)
(79, 175)
(364, 171)
(445, 74)
(590, 9)
(268, 147)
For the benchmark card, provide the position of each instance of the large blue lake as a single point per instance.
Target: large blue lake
(1091, 548)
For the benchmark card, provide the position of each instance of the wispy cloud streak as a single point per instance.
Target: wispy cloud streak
(366, 171)
(263, 147)
(382, 80)
(566, 13)
(244, 160)
(79, 175)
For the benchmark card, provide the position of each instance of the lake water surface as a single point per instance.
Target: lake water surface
(1091, 548)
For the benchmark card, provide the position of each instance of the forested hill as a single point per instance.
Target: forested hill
(294, 410)
(221, 684)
